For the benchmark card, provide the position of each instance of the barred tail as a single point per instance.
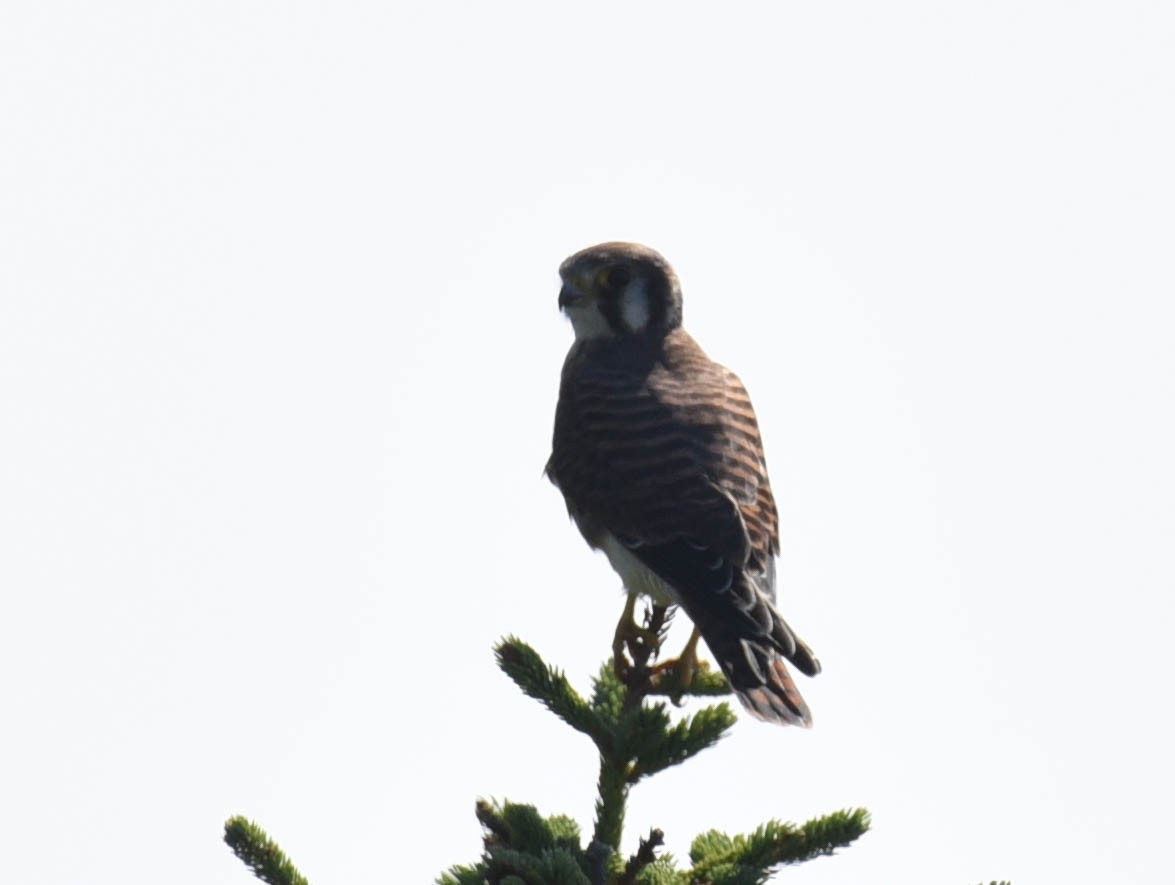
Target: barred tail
(740, 624)
(760, 679)
(753, 661)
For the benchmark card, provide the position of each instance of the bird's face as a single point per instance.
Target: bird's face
(617, 290)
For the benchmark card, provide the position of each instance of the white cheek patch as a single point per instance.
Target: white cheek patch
(588, 322)
(634, 307)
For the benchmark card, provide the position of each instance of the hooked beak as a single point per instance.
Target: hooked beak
(569, 296)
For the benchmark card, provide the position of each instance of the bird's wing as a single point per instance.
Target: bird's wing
(667, 450)
(712, 400)
(665, 454)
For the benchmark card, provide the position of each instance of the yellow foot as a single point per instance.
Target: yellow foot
(677, 676)
(632, 639)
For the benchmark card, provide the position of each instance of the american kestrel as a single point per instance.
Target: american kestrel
(658, 456)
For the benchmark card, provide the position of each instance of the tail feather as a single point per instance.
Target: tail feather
(751, 651)
(734, 611)
(803, 658)
(760, 678)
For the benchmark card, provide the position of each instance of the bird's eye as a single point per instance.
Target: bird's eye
(614, 277)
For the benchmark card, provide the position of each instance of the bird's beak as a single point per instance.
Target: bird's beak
(570, 296)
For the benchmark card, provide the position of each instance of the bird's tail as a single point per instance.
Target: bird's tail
(738, 620)
(753, 660)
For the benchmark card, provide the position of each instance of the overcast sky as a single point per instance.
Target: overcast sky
(279, 353)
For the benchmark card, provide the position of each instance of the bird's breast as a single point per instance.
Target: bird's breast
(638, 578)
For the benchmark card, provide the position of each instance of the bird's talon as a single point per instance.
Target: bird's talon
(639, 642)
(676, 676)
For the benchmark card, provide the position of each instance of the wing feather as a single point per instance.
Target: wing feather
(665, 445)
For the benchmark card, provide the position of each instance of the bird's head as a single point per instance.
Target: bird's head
(617, 290)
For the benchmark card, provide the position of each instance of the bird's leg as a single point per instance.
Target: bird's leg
(680, 671)
(624, 628)
(640, 642)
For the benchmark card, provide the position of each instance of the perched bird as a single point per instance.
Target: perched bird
(658, 456)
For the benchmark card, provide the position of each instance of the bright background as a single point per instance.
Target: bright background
(279, 352)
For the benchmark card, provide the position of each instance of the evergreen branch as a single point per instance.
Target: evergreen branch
(646, 854)
(498, 831)
(462, 875)
(553, 867)
(823, 835)
(565, 831)
(520, 827)
(633, 726)
(550, 687)
(521, 846)
(705, 682)
(608, 692)
(610, 804)
(684, 740)
(635, 740)
(640, 733)
(640, 677)
(511, 864)
(260, 853)
(719, 857)
(528, 831)
(662, 871)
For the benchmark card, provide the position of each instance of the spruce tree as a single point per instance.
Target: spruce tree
(628, 721)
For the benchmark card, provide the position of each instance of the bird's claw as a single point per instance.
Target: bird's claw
(674, 677)
(633, 642)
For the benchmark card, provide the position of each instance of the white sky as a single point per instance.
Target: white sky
(279, 352)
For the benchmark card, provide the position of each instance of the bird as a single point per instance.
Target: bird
(657, 453)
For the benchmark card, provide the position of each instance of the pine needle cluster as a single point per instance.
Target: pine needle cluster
(260, 853)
